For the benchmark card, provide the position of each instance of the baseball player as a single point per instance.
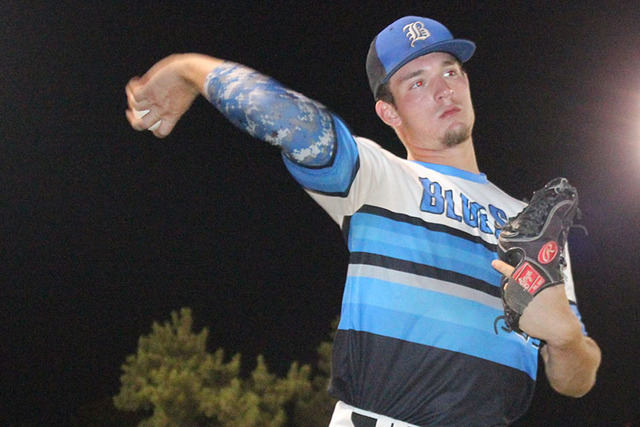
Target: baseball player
(417, 342)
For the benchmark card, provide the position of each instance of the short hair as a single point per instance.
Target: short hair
(384, 94)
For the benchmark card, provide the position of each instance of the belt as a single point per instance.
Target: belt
(362, 420)
(347, 415)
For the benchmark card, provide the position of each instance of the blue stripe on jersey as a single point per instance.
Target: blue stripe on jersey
(384, 236)
(450, 170)
(336, 178)
(433, 319)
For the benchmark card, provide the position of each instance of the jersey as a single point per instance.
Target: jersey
(417, 339)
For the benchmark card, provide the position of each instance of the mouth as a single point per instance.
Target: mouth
(450, 111)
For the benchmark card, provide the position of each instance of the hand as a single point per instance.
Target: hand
(164, 92)
(548, 316)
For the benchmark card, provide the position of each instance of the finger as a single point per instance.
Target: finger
(140, 121)
(134, 120)
(136, 98)
(162, 128)
(137, 111)
(502, 267)
(141, 113)
(155, 126)
(143, 119)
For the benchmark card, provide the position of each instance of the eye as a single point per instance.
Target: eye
(451, 73)
(417, 83)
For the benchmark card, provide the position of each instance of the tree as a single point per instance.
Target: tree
(315, 408)
(175, 379)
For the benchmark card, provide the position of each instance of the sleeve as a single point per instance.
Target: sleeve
(353, 178)
(336, 178)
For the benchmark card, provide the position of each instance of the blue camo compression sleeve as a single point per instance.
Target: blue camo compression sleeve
(267, 110)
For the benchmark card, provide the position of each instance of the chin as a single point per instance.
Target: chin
(457, 136)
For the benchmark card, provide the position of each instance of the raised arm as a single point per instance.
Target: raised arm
(258, 104)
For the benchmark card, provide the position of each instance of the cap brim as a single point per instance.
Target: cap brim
(460, 48)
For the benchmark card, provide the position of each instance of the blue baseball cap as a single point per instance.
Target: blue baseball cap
(405, 40)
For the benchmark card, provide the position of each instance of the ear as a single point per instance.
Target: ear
(388, 114)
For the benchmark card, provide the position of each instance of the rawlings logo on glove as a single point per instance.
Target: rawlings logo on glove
(548, 252)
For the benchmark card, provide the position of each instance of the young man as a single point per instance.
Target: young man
(416, 344)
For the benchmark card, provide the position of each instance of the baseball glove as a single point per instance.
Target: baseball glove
(533, 243)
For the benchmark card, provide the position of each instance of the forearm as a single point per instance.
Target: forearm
(267, 110)
(257, 104)
(571, 359)
(571, 367)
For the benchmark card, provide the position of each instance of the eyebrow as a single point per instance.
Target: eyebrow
(411, 75)
(445, 63)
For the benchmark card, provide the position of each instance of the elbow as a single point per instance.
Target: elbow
(583, 378)
(575, 390)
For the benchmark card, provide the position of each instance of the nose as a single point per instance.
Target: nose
(443, 90)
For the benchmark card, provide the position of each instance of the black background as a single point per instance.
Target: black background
(105, 229)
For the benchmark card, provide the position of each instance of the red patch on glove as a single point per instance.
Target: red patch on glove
(528, 278)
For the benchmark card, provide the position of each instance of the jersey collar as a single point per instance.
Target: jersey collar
(452, 171)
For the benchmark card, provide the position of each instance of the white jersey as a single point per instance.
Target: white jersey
(418, 339)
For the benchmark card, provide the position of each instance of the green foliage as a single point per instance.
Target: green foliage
(314, 409)
(174, 378)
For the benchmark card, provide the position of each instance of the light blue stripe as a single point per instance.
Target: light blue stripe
(575, 311)
(451, 171)
(433, 319)
(374, 234)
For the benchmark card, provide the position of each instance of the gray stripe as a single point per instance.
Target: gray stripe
(422, 282)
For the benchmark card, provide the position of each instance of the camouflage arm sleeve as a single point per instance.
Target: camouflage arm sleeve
(259, 105)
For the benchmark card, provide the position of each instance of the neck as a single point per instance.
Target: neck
(462, 156)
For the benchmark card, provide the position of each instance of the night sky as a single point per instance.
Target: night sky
(105, 230)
